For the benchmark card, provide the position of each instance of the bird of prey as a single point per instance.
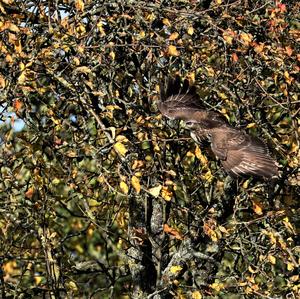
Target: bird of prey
(240, 153)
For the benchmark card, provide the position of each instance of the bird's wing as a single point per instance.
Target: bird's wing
(242, 154)
(182, 102)
(176, 101)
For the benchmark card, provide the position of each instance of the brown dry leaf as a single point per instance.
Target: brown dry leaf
(18, 105)
(209, 229)
(172, 231)
(29, 193)
(288, 50)
(234, 57)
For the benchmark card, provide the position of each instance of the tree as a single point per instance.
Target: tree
(100, 196)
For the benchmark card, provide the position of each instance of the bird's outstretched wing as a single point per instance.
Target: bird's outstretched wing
(182, 102)
(242, 154)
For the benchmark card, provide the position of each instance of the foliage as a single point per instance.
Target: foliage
(100, 196)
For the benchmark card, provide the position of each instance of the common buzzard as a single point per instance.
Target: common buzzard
(240, 153)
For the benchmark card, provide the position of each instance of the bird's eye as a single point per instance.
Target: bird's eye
(190, 124)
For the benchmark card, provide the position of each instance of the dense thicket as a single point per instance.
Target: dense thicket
(103, 198)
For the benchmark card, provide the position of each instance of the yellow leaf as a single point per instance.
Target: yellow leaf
(207, 176)
(190, 31)
(294, 148)
(272, 237)
(22, 78)
(257, 208)
(191, 77)
(2, 82)
(112, 54)
(135, 182)
(80, 49)
(124, 188)
(175, 269)
(259, 48)
(122, 138)
(112, 108)
(137, 164)
(288, 225)
(228, 36)
(10, 267)
(151, 17)
(210, 71)
(246, 38)
(294, 278)
(71, 285)
(172, 51)
(166, 193)
(83, 69)
(251, 125)
(100, 28)
(171, 172)
(173, 36)
(218, 2)
(79, 4)
(120, 148)
(223, 229)
(290, 266)
(155, 191)
(246, 184)
(38, 279)
(14, 28)
(56, 181)
(196, 295)
(218, 286)
(282, 243)
(166, 22)
(80, 29)
(272, 259)
(199, 156)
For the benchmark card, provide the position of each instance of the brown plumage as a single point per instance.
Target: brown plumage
(240, 153)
